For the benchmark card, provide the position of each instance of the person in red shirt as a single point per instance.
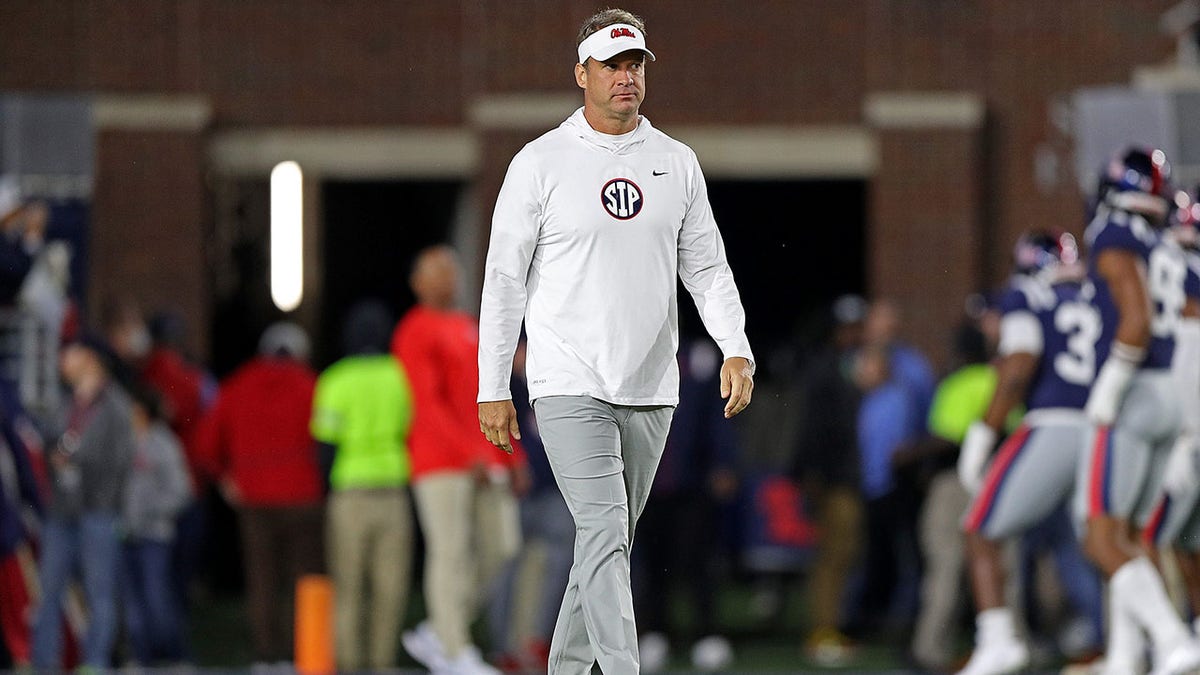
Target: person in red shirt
(180, 382)
(465, 488)
(255, 443)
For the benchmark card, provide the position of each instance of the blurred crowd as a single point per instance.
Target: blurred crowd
(861, 433)
(838, 482)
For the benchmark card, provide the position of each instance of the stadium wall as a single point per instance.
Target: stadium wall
(955, 191)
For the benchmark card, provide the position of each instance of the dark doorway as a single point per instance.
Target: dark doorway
(372, 231)
(242, 306)
(794, 247)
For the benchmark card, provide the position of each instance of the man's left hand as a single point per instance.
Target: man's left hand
(737, 381)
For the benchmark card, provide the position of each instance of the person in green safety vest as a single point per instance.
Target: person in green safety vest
(362, 411)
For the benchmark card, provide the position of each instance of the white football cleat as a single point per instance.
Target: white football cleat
(1184, 658)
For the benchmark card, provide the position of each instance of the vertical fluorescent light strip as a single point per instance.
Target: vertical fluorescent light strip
(287, 236)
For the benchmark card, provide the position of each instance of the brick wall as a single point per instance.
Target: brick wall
(148, 229)
(925, 241)
(776, 62)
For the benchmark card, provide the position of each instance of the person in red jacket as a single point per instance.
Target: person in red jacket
(255, 443)
(465, 488)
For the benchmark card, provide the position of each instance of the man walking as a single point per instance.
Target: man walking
(593, 224)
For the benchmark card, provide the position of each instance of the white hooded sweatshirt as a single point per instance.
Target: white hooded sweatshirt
(588, 235)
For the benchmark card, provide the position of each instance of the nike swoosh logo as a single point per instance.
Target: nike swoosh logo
(659, 173)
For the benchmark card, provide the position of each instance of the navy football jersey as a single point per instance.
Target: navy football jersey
(1166, 276)
(1191, 287)
(1069, 327)
(1174, 276)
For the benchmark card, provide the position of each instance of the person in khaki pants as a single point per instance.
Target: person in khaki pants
(362, 411)
(465, 489)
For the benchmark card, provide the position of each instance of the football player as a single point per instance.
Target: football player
(1175, 521)
(1133, 404)
(1048, 335)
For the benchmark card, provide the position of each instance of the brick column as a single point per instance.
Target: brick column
(926, 220)
(504, 123)
(149, 210)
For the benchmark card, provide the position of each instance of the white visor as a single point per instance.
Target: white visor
(612, 40)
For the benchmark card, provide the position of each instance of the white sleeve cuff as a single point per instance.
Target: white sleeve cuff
(1108, 391)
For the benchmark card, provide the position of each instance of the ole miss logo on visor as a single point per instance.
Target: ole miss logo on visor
(622, 198)
(621, 32)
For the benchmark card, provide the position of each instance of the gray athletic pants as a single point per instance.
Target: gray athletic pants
(604, 457)
(1123, 464)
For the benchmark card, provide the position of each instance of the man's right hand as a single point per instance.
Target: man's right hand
(497, 420)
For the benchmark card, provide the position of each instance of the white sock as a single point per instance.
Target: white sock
(1138, 590)
(995, 625)
(1126, 648)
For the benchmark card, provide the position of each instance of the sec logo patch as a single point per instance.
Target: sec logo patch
(622, 198)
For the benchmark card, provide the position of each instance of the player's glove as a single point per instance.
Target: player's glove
(1111, 383)
(1180, 475)
(973, 455)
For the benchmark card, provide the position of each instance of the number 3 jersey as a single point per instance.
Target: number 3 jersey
(1170, 280)
(1059, 324)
